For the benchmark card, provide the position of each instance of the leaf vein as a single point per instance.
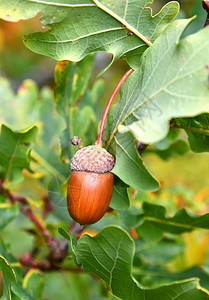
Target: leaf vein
(61, 4)
(122, 21)
(115, 262)
(172, 223)
(80, 37)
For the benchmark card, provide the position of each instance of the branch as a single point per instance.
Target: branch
(58, 248)
(45, 265)
(29, 213)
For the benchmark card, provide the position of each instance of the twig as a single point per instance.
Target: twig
(47, 206)
(28, 212)
(45, 265)
(58, 248)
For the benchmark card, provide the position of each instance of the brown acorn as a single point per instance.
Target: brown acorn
(90, 185)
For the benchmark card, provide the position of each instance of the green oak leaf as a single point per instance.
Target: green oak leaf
(15, 152)
(151, 222)
(120, 198)
(24, 9)
(197, 130)
(172, 82)
(130, 167)
(71, 81)
(109, 255)
(8, 277)
(28, 101)
(78, 28)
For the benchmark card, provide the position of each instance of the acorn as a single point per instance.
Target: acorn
(90, 185)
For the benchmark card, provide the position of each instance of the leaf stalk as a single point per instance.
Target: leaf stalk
(102, 125)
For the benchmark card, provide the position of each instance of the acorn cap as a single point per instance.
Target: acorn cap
(92, 159)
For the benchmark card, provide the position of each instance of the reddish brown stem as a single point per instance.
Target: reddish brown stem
(45, 265)
(28, 212)
(101, 132)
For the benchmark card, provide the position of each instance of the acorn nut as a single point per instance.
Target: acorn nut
(90, 185)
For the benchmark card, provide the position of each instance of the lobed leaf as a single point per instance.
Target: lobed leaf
(78, 28)
(171, 83)
(152, 221)
(197, 130)
(28, 101)
(109, 255)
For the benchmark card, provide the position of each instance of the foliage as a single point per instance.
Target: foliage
(197, 130)
(80, 37)
(146, 245)
(114, 247)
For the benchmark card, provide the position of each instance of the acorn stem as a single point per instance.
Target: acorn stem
(101, 132)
